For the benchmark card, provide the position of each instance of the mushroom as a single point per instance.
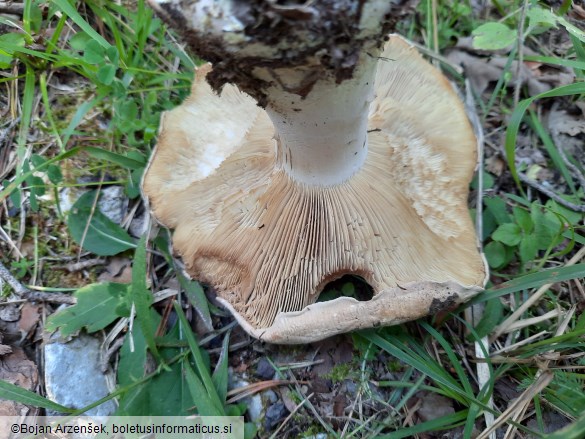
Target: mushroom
(334, 153)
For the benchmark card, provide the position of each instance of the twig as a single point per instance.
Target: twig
(33, 296)
(288, 418)
(12, 8)
(551, 194)
(574, 169)
(78, 266)
(519, 403)
(502, 327)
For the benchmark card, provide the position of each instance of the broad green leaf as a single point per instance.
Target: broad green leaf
(132, 187)
(127, 110)
(528, 248)
(495, 252)
(79, 41)
(70, 10)
(102, 237)
(497, 207)
(12, 392)
(509, 234)
(97, 306)
(547, 227)
(132, 365)
(106, 74)
(493, 36)
(165, 394)
(567, 215)
(537, 15)
(523, 219)
(6, 55)
(113, 54)
(54, 174)
(93, 53)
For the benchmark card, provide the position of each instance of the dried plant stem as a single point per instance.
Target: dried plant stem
(33, 296)
(551, 194)
(503, 327)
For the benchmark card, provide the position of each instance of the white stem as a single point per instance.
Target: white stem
(322, 138)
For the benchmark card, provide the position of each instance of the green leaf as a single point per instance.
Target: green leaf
(509, 234)
(142, 297)
(518, 115)
(567, 215)
(103, 237)
(538, 15)
(163, 395)
(533, 280)
(127, 110)
(54, 174)
(113, 54)
(79, 41)
(93, 53)
(220, 374)
(106, 74)
(97, 306)
(447, 422)
(12, 392)
(196, 297)
(203, 402)
(12, 38)
(495, 252)
(547, 227)
(201, 367)
(493, 36)
(528, 249)
(131, 367)
(132, 161)
(492, 315)
(523, 219)
(497, 207)
(70, 10)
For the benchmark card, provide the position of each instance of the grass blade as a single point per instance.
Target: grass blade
(199, 363)
(14, 393)
(518, 116)
(142, 297)
(533, 280)
(68, 9)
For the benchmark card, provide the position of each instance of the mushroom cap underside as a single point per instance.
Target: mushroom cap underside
(268, 245)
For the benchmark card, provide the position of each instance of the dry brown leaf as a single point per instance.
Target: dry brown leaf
(568, 131)
(482, 71)
(495, 165)
(29, 317)
(561, 122)
(118, 270)
(433, 406)
(17, 369)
